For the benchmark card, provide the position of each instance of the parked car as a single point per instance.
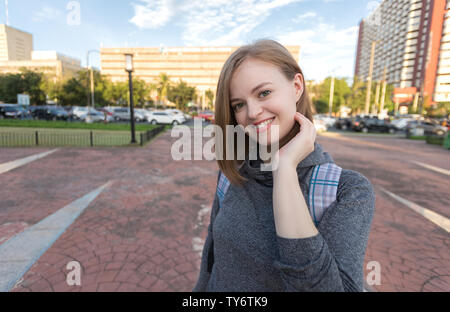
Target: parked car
(367, 124)
(161, 117)
(326, 119)
(207, 116)
(320, 125)
(109, 116)
(124, 114)
(400, 124)
(14, 111)
(144, 114)
(94, 115)
(429, 126)
(49, 113)
(77, 111)
(343, 123)
(177, 112)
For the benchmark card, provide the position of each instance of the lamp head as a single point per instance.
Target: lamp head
(129, 62)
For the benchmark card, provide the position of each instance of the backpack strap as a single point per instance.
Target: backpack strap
(322, 193)
(323, 189)
(222, 188)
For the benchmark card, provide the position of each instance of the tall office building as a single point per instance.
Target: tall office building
(16, 52)
(412, 48)
(199, 67)
(15, 45)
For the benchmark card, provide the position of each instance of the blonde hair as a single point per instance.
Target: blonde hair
(268, 51)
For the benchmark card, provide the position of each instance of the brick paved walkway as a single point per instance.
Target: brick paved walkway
(138, 235)
(145, 232)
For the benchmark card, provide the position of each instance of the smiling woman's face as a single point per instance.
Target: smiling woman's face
(262, 97)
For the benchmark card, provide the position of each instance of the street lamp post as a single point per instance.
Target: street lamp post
(369, 78)
(129, 69)
(330, 102)
(91, 78)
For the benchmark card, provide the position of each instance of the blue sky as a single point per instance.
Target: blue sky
(326, 30)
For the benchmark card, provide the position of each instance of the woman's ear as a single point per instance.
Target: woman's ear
(298, 85)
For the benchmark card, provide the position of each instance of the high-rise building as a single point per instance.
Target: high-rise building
(412, 49)
(199, 67)
(16, 52)
(15, 45)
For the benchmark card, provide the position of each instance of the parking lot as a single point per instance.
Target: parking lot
(145, 230)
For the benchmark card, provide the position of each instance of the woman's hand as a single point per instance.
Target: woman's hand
(300, 147)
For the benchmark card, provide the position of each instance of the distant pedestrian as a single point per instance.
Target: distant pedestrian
(303, 226)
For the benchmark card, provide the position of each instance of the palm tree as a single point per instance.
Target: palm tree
(162, 87)
(210, 96)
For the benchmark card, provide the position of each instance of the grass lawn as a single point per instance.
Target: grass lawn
(108, 135)
(35, 124)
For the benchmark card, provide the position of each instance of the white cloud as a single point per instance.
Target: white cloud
(324, 49)
(153, 13)
(46, 13)
(303, 17)
(231, 22)
(207, 22)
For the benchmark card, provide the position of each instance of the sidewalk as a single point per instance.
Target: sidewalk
(143, 233)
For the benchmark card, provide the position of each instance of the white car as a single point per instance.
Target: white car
(177, 112)
(329, 121)
(320, 125)
(93, 116)
(144, 114)
(79, 111)
(160, 117)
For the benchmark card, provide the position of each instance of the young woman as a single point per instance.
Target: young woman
(266, 233)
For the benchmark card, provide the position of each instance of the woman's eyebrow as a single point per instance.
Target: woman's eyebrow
(254, 89)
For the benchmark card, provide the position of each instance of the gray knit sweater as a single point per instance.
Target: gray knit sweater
(250, 257)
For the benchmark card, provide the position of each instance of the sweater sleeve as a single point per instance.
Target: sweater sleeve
(204, 276)
(332, 261)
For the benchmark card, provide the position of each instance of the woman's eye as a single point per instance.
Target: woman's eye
(265, 92)
(238, 106)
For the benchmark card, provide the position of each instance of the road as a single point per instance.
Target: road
(145, 230)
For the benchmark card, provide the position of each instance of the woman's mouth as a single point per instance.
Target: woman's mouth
(264, 126)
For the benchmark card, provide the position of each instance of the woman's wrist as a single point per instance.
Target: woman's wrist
(283, 170)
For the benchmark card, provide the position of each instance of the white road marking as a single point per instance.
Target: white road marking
(437, 169)
(432, 216)
(21, 162)
(18, 254)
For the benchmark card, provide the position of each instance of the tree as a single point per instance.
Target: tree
(181, 94)
(24, 82)
(210, 97)
(116, 93)
(73, 93)
(162, 88)
(322, 95)
(32, 82)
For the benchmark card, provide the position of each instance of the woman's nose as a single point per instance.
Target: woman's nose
(254, 110)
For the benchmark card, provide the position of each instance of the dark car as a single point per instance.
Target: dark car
(372, 124)
(49, 113)
(343, 123)
(13, 112)
(429, 126)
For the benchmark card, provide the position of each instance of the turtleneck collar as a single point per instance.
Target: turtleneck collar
(252, 169)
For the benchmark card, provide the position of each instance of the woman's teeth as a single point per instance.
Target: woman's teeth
(264, 124)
